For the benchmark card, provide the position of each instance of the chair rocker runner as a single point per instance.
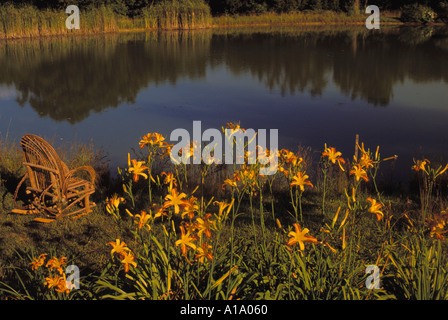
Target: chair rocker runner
(54, 189)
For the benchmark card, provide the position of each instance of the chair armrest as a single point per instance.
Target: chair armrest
(87, 169)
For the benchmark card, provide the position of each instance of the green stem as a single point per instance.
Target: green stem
(272, 199)
(262, 219)
(232, 244)
(374, 183)
(427, 199)
(289, 277)
(210, 277)
(253, 223)
(293, 202)
(325, 187)
(149, 189)
(185, 175)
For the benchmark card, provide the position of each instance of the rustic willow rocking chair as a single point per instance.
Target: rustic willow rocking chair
(54, 189)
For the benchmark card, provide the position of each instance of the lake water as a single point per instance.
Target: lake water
(315, 85)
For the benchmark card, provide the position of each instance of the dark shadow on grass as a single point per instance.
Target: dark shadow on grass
(7, 224)
(36, 237)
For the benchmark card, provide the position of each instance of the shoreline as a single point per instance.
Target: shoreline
(217, 26)
(223, 22)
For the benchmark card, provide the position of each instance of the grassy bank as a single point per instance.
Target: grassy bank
(175, 231)
(28, 21)
(307, 17)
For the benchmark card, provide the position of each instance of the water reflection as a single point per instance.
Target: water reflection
(68, 78)
(315, 85)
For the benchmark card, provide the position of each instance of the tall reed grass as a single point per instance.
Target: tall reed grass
(28, 21)
(175, 14)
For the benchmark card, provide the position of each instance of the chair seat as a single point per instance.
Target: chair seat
(74, 184)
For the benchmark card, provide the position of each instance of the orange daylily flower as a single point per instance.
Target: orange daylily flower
(299, 236)
(190, 208)
(247, 175)
(128, 259)
(152, 139)
(230, 182)
(185, 241)
(359, 172)
(143, 219)
(53, 281)
(420, 165)
(375, 208)
(437, 225)
(205, 225)
(55, 263)
(118, 247)
(190, 227)
(365, 161)
(300, 180)
(113, 203)
(234, 126)
(204, 252)
(175, 199)
(62, 285)
(222, 206)
(169, 179)
(290, 157)
(57, 282)
(145, 140)
(37, 262)
(333, 156)
(137, 168)
(166, 150)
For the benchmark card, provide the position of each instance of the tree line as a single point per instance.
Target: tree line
(259, 6)
(134, 7)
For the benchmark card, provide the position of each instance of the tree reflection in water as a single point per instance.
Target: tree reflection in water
(68, 78)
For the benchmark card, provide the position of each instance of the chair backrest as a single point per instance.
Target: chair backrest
(42, 162)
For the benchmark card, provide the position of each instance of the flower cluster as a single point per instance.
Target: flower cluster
(56, 276)
(244, 179)
(124, 253)
(153, 140)
(156, 145)
(437, 225)
(196, 233)
(361, 165)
